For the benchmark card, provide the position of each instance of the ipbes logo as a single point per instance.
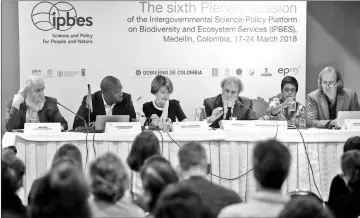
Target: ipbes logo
(61, 16)
(285, 71)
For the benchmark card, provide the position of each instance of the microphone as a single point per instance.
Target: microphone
(81, 129)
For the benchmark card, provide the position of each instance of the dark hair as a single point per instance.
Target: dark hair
(62, 192)
(145, 145)
(304, 206)
(192, 154)
(108, 82)
(352, 143)
(160, 81)
(67, 153)
(14, 170)
(289, 80)
(109, 179)
(155, 175)
(180, 200)
(271, 161)
(350, 165)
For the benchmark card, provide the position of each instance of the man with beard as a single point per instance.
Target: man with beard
(31, 106)
(331, 97)
(229, 103)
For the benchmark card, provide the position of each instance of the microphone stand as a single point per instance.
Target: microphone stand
(78, 129)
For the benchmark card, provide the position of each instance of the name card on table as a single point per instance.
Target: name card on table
(233, 125)
(122, 127)
(40, 128)
(201, 126)
(352, 124)
(270, 124)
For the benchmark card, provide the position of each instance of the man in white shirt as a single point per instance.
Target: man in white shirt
(110, 100)
(271, 162)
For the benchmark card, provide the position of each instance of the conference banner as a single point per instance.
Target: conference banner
(195, 43)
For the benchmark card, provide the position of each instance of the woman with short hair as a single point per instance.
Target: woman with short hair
(109, 185)
(162, 106)
(287, 108)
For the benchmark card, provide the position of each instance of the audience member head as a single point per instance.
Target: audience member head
(111, 89)
(304, 207)
(179, 201)
(109, 179)
(13, 171)
(162, 87)
(155, 175)
(330, 81)
(145, 145)
(305, 193)
(289, 87)
(68, 153)
(353, 143)
(231, 88)
(62, 192)
(33, 92)
(271, 161)
(192, 160)
(350, 165)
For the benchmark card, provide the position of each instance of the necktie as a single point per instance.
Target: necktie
(228, 113)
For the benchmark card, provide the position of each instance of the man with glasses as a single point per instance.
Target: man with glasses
(331, 97)
(110, 100)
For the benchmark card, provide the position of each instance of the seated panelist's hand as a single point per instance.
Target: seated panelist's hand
(19, 98)
(217, 112)
(288, 102)
(155, 120)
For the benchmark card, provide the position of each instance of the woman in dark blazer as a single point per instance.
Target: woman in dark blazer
(162, 106)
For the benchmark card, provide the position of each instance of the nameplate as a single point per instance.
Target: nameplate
(201, 126)
(41, 128)
(122, 127)
(270, 124)
(233, 125)
(352, 124)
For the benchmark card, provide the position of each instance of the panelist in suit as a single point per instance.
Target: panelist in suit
(30, 105)
(331, 97)
(110, 100)
(287, 108)
(162, 106)
(229, 103)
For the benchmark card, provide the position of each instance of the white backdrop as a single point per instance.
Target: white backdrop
(119, 48)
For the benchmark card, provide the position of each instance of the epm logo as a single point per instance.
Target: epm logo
(285, 71)
(61, 16)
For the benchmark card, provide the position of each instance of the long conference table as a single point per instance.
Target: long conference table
(230, 154)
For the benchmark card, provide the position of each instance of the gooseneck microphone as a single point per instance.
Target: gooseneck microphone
(86, 124)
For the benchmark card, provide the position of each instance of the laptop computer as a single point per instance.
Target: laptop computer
(101, 120)
(342, 115)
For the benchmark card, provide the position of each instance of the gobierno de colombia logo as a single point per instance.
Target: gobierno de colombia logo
(60, 16)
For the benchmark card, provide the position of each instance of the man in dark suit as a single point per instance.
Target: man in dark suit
(30, 105)
(193, 169)
(110, 100)
(331, 97)
(229, 103)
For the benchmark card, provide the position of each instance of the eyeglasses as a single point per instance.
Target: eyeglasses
(289, 90)
(330, 83)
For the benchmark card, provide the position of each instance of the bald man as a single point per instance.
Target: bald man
(30, 105)
(110, 100)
